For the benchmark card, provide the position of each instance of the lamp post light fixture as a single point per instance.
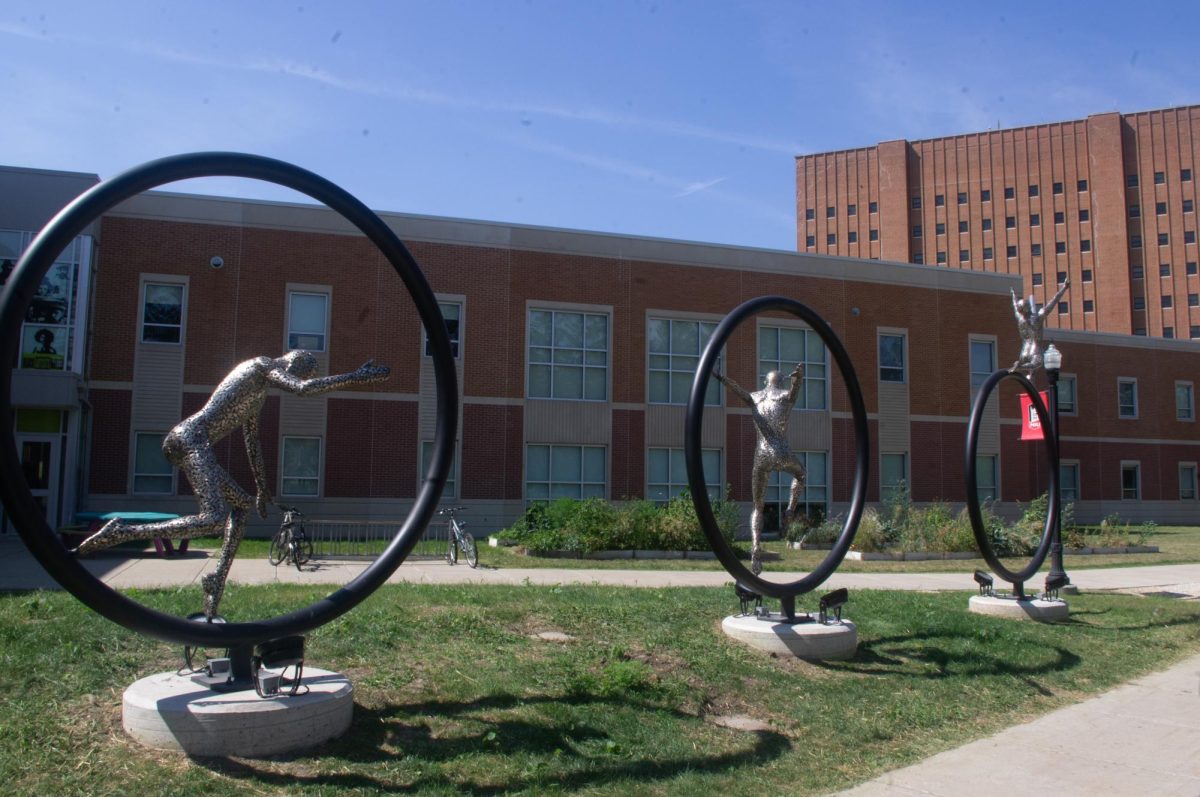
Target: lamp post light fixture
(1052, 360)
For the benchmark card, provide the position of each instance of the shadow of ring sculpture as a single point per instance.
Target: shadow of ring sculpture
(785, 632)
(241, 637)
(987, 602)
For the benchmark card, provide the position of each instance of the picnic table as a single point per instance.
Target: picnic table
(95, 520)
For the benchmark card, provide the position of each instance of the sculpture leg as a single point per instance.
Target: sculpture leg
(116, 531)
(799, 477)
(758, 490)
(213, 583)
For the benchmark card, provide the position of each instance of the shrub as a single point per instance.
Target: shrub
(871, 536)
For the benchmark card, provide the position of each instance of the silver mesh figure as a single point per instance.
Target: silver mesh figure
(771, 408)
(189, 447)
(1030, 321)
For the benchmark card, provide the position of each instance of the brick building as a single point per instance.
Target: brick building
(1108, 201)
(575, 353)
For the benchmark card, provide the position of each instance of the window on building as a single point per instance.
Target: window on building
(1061, 277)
(1187, 481)
(1033, 190)
(983, 361)
(1139, 302)
(1164, 269)
(852, 237)
(963, 226)
(987, 224)
(1131, 481)
(916, 203)
(1068, 481)
(452, 313)
(940, 228)
(1188, 206)
(918, 258)
(941, 257)
(939, 200)
(1010, 222)
(152, 474)
(1139, 331)
(1082, 185)
(1166, 301)
(308, 320)
(1194, 331)
(666, 473)
(1160, 208)
(568, 355)
(1135, 211)
(1168, 332)
(1136, 272)
(893, 473)
(1086, 275)
(675, 346)
(1060, 247)
(1185, 175)
(852, 210)
(1011, 252)
(1135, 242)
(1131, 180)
(300, 466)
(964, 255)
(987, 253)
(813, 501)
(810, 241)
(1083, 214)
(1063, 308)
(1189, 236)
(809, 214)
(1185, 409)
(162, 313)
(1191, 268)
(962, 197)
(1036, 250)
(831, 239)
(873, 207)
(451, 488)
(780, 348)
(1059, 217)
(1036, 280)
(1057, 188)
(891, 357)
(1127, 405)
(874, 235)
(1067, 387)
(985, 195)
(830, 212)
(1089, 306)
(986, 477)
(1085, 245)
(564, 472)
(1009, 192)
(1035, 220)
(1160, 178)
(916, 231)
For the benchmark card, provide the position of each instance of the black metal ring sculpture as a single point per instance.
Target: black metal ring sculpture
(695, 467)
(24, 511)
(981, 537)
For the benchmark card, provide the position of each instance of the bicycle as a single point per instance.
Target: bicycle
(291, 542)
(459, 539)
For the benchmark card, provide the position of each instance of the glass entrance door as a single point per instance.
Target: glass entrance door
(39, 461)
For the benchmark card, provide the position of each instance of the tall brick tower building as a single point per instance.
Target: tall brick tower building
(1108, 201)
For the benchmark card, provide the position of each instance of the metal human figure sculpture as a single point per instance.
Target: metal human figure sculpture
(1030, 321)
(189, 447)
(771, 408)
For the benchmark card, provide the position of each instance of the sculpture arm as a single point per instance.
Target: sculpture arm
(797, 377)
(1054, 300)
(1016, 302)
(366, 374)
(734, 388)
(254, 452)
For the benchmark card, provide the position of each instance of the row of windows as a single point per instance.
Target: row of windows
(831, 239)
(1160, 208)
(1160, 178)
(1010, 223)
(1164, 239)
(1164, 270)
(985, 195)
(831, 211)
(964, 255)
(1166, 301)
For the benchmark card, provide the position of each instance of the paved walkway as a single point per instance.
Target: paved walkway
(1142, 738)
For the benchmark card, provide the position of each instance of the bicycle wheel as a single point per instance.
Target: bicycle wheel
(469, 551)
(302, 551)
(279, 548)
(452, 551)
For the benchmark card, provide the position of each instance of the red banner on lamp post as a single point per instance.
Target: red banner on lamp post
(1031, 424)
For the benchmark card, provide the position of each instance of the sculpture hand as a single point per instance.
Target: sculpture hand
(797, 372)
(369, 372)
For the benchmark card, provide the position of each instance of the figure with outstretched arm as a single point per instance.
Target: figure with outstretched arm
(236, 402)
(1031, 321)
(771, 409)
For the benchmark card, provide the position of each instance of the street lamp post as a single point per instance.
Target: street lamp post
(1052, 360)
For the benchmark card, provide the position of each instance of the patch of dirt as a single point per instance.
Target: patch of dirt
(739, 722)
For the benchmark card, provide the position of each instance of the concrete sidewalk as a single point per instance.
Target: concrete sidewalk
(1142, 738)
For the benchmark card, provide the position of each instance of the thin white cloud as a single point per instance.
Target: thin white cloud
(697, 187)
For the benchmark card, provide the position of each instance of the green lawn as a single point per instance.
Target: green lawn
(456, 694)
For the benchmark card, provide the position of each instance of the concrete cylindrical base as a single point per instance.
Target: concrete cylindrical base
(1030, 609)
(168, 711)
(811, 641)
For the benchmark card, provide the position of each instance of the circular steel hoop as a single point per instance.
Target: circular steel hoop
(19, 502)
(695, 467)
(973, 510)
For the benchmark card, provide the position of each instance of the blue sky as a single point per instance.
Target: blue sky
(671, 119)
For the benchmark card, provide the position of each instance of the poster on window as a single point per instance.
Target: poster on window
(50, 304)
(44, 347)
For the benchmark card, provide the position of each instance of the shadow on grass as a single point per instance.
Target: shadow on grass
(562, 752)
(1074, 621)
